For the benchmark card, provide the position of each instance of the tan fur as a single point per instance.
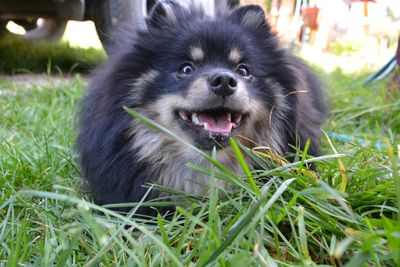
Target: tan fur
(235, 56)
(138, 86)
(168, 159)
(199, 95)
(264, 129)
(196, 53)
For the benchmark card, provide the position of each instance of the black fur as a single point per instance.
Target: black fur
(114, 168)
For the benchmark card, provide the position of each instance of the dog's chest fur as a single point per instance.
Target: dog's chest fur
(167, 160)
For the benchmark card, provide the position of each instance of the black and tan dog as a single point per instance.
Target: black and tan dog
(206, 79)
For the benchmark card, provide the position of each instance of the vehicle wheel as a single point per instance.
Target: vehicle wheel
(3, 28)
(46, 30)
(109, 14)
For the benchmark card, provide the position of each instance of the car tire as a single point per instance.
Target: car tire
(109, 14)
(3, 29)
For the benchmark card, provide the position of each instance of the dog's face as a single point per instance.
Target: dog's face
(208, 78)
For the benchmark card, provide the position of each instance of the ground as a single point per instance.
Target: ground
(343, 213)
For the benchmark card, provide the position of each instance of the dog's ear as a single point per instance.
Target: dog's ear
(251, 16)
(164, 13)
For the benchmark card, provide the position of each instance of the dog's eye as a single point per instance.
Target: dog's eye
(186, 68)
(243, 70)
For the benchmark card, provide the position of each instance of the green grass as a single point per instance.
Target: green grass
(342, 47)
(344, 213)
(21, 56)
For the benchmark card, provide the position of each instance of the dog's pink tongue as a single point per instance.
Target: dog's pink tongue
(218, 124)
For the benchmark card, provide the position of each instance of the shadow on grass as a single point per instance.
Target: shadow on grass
(20, 56)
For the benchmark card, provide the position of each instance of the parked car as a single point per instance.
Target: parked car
(47, 19)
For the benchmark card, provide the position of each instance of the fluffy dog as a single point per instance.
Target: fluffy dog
(206, 79)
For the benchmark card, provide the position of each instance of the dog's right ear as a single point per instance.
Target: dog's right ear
(251, 16)
(164, 13)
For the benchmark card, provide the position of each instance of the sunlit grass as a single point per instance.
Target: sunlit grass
(344, 212)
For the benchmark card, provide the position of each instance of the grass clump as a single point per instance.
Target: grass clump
(345, 213)
(19, 55)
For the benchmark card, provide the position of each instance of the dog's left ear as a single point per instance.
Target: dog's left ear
(165, 12)
(252, 16)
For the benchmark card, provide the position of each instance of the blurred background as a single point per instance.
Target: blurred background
(351, 35)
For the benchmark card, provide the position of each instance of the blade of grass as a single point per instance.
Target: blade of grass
(172, 135)
(124, 219)
(250, 216)
(343, 183)
(303, 236)
(19, 245)
(244, 166)
(395, 172)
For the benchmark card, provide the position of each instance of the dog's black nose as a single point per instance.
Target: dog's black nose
(223, 83)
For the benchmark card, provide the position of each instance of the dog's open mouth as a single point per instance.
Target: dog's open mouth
(214, 122)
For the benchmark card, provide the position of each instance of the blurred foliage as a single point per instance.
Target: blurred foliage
(343, 47)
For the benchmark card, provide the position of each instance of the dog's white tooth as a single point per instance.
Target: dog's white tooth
(229, 116)
(195, 119)
(183, 115)
(206, 126)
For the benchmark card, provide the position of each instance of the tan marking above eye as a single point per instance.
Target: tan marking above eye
(234, 55)
(196, 53)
